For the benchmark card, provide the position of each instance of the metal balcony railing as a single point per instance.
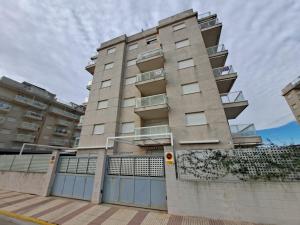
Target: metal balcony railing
(29, 126)
(223, 71)
(30, 102)
(215, 49)
(150, 75)
(5, 106)
(243, 130)
(296, 81)
(34, 115)
(151, 100)
(232, 97)
(61, 132)
(64, 113)
(25, 138)
(64, 123)
(160, 131)
(91, 63)
(209, 23)
(204, 15)
(149, 54)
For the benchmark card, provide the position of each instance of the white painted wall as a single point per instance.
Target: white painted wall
(259, 202)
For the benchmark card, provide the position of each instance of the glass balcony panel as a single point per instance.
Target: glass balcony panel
(151, 75)
(153, 130)
(215, 49)
(209, 23)
(243, 130)
(223, 71)
(232, 97)
(151, 100)
(150, 54)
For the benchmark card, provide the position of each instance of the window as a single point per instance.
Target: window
(179, 26)
(108, 66)
(111, 50)
(190, 88)
(130, 80)
(128, 102)
(98, 129)
(183, 43)
(127, 128)
(132, 46)
(105, 83)
(152, 40)
(131, 62)
(193, 119)
(102, 104)
(185, 63)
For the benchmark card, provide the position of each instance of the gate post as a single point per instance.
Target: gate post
(50, 173)
(99, 177)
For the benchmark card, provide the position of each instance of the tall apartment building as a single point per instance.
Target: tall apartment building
(168, 85)
(291, 94)
(30, 114)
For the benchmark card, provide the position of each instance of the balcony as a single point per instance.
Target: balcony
(60, 132)
(150, 60)
(234, 103)
(33, 115)
(245, 135)
(295, 84)
(5, 107)
(64, 123)
(152, 136)
(30, 102)
(63, 113)
(225, 78)
(24, 138)
(152, 82)
(217, 56)
(29, 126)
(89, 85)
(95, 56)
(152, 107)
(211, 30)
(91, 67)
(59, 142)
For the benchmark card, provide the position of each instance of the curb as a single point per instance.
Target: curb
(24, 218)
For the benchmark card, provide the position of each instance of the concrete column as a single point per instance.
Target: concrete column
(50, 173)
(170, 174)
(99, 177)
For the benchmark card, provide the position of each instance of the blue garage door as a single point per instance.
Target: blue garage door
(75, 177)
(136, 181)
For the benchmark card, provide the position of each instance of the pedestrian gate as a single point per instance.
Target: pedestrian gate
(74, 177)
(135, 180)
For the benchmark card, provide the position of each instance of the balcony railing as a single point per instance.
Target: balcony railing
(150, 54)
(296, 81)
(61, 132)
(91, 63)
(215, 49)
(29, 126)
(232, 97)
(209, 23)
(223, 71)
(25, 138)
(204, 15)
(243, 130)
(59, 142)
(63, 123)
(151, 100)
(64, 113)
(34, 115)
(30, 102)
(160, 131)
(5, 106)
(150, 75)
(89, 84)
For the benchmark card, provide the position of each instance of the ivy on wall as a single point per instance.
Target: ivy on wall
(263, 164)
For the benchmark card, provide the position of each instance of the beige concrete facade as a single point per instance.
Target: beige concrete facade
(29, 114)
(185, 48)
(291, 94)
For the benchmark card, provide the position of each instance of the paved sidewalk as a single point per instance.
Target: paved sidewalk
(64, 211)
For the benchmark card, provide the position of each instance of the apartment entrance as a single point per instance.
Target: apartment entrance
(135, 181)
(74, 177)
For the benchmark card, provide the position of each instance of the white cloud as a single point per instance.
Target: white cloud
(49, 43)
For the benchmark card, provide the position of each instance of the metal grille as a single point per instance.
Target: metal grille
(77, 165)
(25, 163)
(142, 166)
(272, 163)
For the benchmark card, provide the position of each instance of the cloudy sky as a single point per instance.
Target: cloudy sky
(49, 43)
